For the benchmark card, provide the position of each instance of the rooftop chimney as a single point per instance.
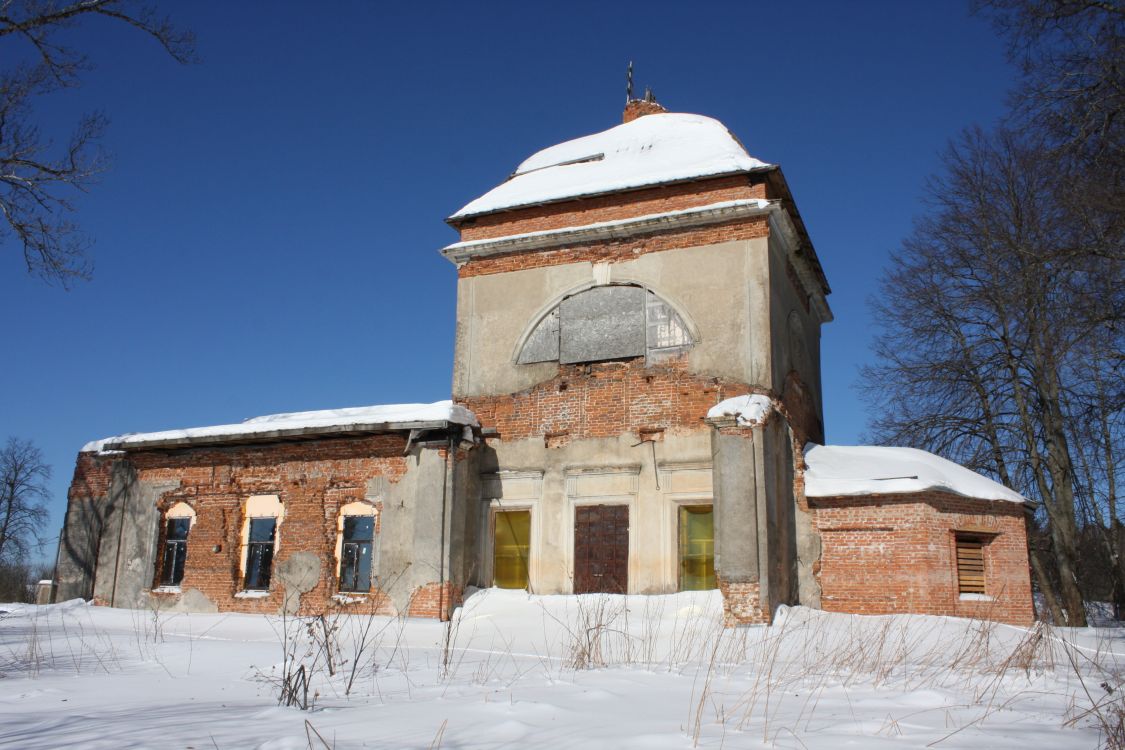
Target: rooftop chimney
(635, 108)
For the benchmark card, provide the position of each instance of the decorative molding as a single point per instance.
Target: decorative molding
(715, 213)
(504, 485)
(781, 226)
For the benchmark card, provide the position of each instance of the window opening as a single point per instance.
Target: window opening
(175, 551)
(355, 554)
(511, 538)
(697, 548)
(259, 553)
(970, 564)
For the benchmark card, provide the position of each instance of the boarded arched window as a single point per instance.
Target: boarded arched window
(607, 322)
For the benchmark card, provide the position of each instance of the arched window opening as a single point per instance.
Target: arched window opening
(178, 521)
(355, 542)
(259, 540)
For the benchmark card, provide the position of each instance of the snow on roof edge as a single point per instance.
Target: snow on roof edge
(460, 216)
(854, 470)
(325, 419)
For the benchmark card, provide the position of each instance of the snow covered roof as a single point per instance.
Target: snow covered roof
(387, 416)
(747, 410)
(650, 150)
(845, 470)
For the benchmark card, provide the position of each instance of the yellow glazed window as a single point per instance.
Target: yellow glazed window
(697, 548)
(511, 538)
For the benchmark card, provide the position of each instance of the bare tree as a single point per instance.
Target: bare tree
(37, 179)
(1071, 54)
(1003, 315)
(23, 499)
(1002, 347)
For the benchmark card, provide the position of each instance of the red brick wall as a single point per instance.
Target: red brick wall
(742, 604)
(614, 206)
(884, 554)
(635, 108)
(436, 600)
(618, 250)
(314, 479)
(92, 475)
(605, 399)
(800, 410)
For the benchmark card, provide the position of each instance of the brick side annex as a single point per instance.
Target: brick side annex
(636, 408)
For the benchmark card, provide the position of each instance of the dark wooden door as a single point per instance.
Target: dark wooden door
(601, 549)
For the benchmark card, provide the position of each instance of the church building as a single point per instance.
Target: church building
(636, 408)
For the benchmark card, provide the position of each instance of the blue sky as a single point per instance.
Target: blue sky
(267, 237)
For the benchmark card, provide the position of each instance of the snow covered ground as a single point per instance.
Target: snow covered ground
(518, 671)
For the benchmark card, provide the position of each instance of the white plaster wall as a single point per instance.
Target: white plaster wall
(784, 301)
(721, 289)
(552, 481)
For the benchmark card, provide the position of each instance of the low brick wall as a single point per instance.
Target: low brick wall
(887, 554)
(436, 600)
(313, 479)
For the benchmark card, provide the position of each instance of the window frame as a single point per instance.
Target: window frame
(259, 546)
(495, 514)
(510, 490)
(682, 509)
(345, 544)
(259, 508)
(177, 512)
(171, 575)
